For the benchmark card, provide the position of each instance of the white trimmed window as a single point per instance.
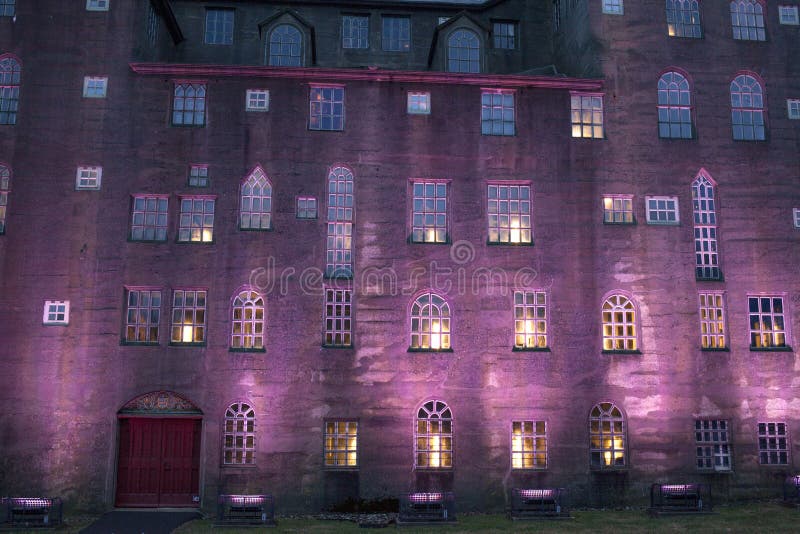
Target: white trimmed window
(255, 202)
(674, 107)
(768, 328)
(196, 224)
(619, 324)
(56, 312)
(463, 51)
(10, 72)
(497, 112)
(7, 8)
(530, 319)
(430, 323)
(285, 46)
(239, 446)
(433, 436)
(306, 207)
(705, 230)
(97, 5)
(795, 214)
(662, 210)
(341, 444)
(188, 316)
(149, 218)
(747, 20)
(747, 109)
(257, 100)
(189, 104)
(713, 330)
(793, 108)
(94, 86)
(88, 178)
(683, 18)
(612, 7)
(419, 103)
(712, 439)
(5, 189)
(788, 15)
(587, 115)
(142, 315)
(528, 445)
(247, 321)
(618, 209)
(198, 176)
(341, 213)
(355, 31)
(509, 211)
(338, 317)
(607, 437)
(773, 444)
(505, 35)
(326, 109)
(429, 212)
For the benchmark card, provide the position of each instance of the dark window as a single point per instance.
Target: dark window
(219, 26)
(396, 35)
(355, 31)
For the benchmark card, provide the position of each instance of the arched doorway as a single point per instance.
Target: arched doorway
(159, 451)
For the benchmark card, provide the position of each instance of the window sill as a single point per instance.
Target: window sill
(712, 349)
(412, 349)
(176, 344)
(504, 244)
(340, 469)
(611, 470)
(157, 241)
(531, 349)
(270, 229)
(612, 352)
(212, 242)
(231, 349)
(238, 466)
(139, 343)
(611, 223)
(340, 276)
(337, 347)
(719, 278)
(771, 349)
(774, 466)
(187, 125)
(715, 471)
(528, 469)
(659, 223)
(434, 469)
(445, 242)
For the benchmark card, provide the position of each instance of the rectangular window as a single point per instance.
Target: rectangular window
(793, 108)
(189, 104)
(97, 5)
(767, 322)
(88, 178)
(7, 8)
(149, 218)
(612, 7)
(326, 108)
(355, 31)
(341, 444)
(429, 212)
(530, 320)
(587, 115)
(338, 317)
(788, 15)
(198, 176)
(306, 207)
(143, 315)
(618, 209)
(509, 212)
(796, 217)
(153, 25)
(662, 210)
(56, 312)
(497, 112)
(713, 330)
(94, 86)
(188, 316)
(219, 26)
(713, 445)
(396, 34)
(257, 100)
(773, 444)
(442, 20)
(197, 220)
(529, 445)
(419, 103)
(505, 35)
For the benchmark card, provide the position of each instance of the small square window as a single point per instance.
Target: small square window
(326, 109)
(796, 217)
(88, 178)
(94, 86)
(257, 100)
(618, 209)
(419, 103)
(97, 5)
(198, 176)
(355, 31)
(56, 312)
(219, 26)
(773, 444)
(396, 34)
(306, 207)
(788, 15)
(612, 7)
(587, 115)
(793, 108)
(662, 210)
(497, 113)
(505, 35)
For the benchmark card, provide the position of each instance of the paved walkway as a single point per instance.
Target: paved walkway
(141, 521)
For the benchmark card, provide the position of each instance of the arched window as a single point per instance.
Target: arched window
(9, 89)
(247, 321)
(463, 52)
(674, 106)
(683, 18)
(339, 257)
(747, 109)
(430, 323)
(705, 229)
(747, 20)
(433, 436)
(619, 324)
(239, 447)
(5, 187)
(285, 47)
(255, 211)
(607, 437)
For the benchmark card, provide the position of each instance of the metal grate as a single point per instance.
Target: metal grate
(245, 510)
(427, 507)
(31, 511)
(538, 502)
(680, 498)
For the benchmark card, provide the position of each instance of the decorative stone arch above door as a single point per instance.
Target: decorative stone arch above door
(160, 403)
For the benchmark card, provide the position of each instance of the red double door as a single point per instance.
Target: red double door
(159, 462)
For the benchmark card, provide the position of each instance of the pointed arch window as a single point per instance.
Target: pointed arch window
(607, 442)
(5, 189)
(674, 106)
(239, 447)
(747, 20)
(430, 323)
(10, 71)
(705, 230)
(619, 324)
(341, 211)
(463, 52)
(747, 109)
(247, 321)
(255, 212)
(433, 436)
(683, 18)
(285, 47)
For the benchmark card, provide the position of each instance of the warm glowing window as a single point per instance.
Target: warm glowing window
(341, 444)
(306, 207)
(587, 115)
(189, 104)
(788, 15)
(94, 86)
(433, 436)
(773, 444)
(793, 108)
(747, 19)
(255, 202)
(530, 319)
(338, 317)
(341, 213)
(683, 18)
(528, 445)
(196, 223)
(618, 209)
(56, 312)
(619, 324)
(497, 113)
(607, 437)
(429, 212)
(747, 109)
(149, 218)
(430, 323)
(713, 444)
(143, 315)
(505, 35)
(247, 321)
(256, 100)
(705, 230)
(713, 330)
(509, 213)
(97, 5)
(662, 210)
(463, 52)
(285, 46)
(767, 322)
(396, 34)
(219, 26)
(198, 176)
(419, 103)
(7, 8)
(355, 31)
(326, 109)
(239, 447)
(5, 189)
(9, 89)
(674, 107)
(612, 7)
(188, 316)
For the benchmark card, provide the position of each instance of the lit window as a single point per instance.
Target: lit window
(619, 324)
(509, 213)
(683, 18)
(396, 34)
(239, 447)
(355, 31)
(705, 230)
(196, 222)
(713, 445)
(94, 86)
(188, 316)
(747, 109)
(795, 213)
(149, 218)
(430, 323)
(7, 8)
(189, 104)
(326, 108)
(612, 7)
(306, 207)
(143, 315)
(255, 209)
(674, 107)
(341, 211)
(530, 320)
(429, 212)
(5, 189)
(247, 321)
(793, 108)
(713, 330)
(497, 113)
(618, 209)
(56, 312)
(338, 317)
(285, 47)
(257, 100)
(341, 444)
(788, 15)
(528, 445)
(198, 176)
(773, 444)
(88, 178)
(9, 89)
(767, 325)
(463, 52)
(433, 436)
(505, 35)
(607, 437)
(662, 210)
(419, 103)
(97, 5)
(219, 26)
(587, 115)
(747, 19)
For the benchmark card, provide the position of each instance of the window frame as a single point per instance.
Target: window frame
(259, 179)
(785, 9)
(678, 10)
(767, 451)
(157, 198)
(598, 433)
(535, 453)
(269, 57)
(98, 5)
(340, 222)
(521, 230)
(682, 108)
(636, 337)
(785, 316)
(491, 110)
(454, 53)
(95, 86)
(150, 308)
(252, 100)
(705, 227)
(753, 110)
(444, 315)
(219, 32)
(796, 218)
(416, 215)
(251, 296)
(358, 38)
(503, 37)
(85, 175)
(414, 105)
(5, 192)
(194, 324)
(54, 315)
(429, 432)
(198, 176)
(613, 7)
(336, 322)
(536, 319)
(4, 8)
(650, 210)
(313, 89)
(10, 89)
(612, 212)
(195, 85)
(705, 449)
(793, 108)
(710, 326)
(182, 216)
(302, 211)
(245, 408)
(578, 124)
(388, 41)
(334, 450)
(760, 31)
